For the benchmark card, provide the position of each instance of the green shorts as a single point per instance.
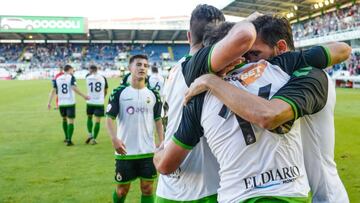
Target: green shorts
(208, 199)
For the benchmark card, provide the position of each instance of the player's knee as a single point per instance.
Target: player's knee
(122, 190)
(147, 189)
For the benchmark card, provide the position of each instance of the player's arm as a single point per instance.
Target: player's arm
(52, 93)
(267, 114)
(169, 158)
(338, 51)
(76, 89)
(157, 117)
(235, 44)
(106, 87)
(51, 96)
(112, 112)
(317, 57)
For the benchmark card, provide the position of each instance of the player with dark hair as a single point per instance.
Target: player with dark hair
(65, 87)
(97, 88)
(137, 109)
(200, 166)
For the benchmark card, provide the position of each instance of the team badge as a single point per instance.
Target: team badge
(148, 100)
(118, 177)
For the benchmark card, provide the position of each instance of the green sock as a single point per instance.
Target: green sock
(96, 130)
(147, 198)
(89, 124)
(117, 199)
(70, 131)
(65, 128)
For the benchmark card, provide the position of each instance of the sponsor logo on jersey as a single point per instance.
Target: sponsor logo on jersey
(131, 110)
(272, 177)
(249, 74)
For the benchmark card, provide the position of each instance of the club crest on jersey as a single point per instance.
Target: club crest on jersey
(148, 100)
(118, 177)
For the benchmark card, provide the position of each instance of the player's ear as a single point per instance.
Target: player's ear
(281, 46)
(188, 37)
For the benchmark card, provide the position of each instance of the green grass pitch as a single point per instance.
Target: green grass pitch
(36, 166)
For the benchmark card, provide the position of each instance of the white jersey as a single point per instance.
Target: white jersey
(253, 161)
(318, 137)
(63, 85)
(136, 111)
(96, 85)
(197, 177)
(156, 81)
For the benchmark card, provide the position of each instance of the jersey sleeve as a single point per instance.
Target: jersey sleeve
(198, 65)
(190, 130)
(124, 81)
(157, 106)
(106, 83)
(317, 57)
(113, 107)
(73, 81)
(306, 91)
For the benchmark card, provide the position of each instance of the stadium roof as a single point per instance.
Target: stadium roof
(105, 36)
(298, 8)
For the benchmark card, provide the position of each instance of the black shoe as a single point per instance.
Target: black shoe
(69, 143)
(88, 140)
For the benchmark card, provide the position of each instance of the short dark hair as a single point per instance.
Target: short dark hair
(201, 16)
(67, 67)
(93, 68)
(138, 56)
(213, 34)
(272, 28)
(154, 69)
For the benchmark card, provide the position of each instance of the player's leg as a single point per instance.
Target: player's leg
(70, 111)
(99, 112)
(89, 123)
(65, 125)
(62, 111)
(124, 174)
(147, 173)
(146, 187)
(120, 193)
(90, 112)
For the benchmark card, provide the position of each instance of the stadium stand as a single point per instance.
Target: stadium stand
(333, 22)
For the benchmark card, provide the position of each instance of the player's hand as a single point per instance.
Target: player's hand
(49, 106)
(119, 146)
(197, 87)
(87, 97)
(231, 66)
